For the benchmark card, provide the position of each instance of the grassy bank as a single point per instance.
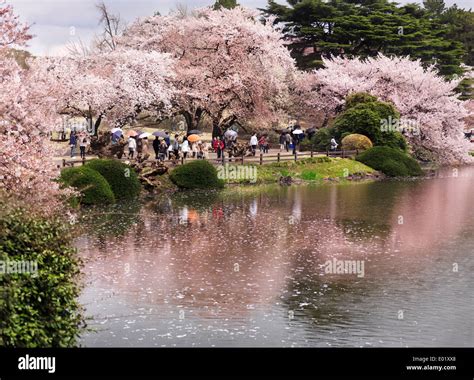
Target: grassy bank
(309, 170)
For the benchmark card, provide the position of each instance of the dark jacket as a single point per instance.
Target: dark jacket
(156, 145)
(163, 148)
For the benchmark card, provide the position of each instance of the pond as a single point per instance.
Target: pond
(261, 267)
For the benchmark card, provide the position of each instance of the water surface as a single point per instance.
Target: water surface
(248, 269)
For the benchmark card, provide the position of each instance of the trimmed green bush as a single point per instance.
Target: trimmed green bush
(198, 174)
(391, 162)
(38, 308)
(356, 141)
(123, 179)
(368, 119)
(93, 187)
(358, 98)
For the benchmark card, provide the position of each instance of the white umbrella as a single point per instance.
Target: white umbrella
(115, 130)
(298, 132)
(230, 133)
(144, 135)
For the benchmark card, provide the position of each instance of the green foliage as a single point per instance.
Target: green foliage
(123, 179)
(198, 174)
(391, 162)
(320, 142)
(93, 187)
(466, 89)
(309, 175)
(359, 97)
(38, 310)
(367, 119)
(366, 28)
(460, 26)
(356, 142)
(312, 169)
(435, 7)
(424, 155)
(229, 4)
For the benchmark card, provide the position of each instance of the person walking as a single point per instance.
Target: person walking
(200, 153)
(168, 143)
(205, 150)
(162, 150)
(73, 143)
(254, 143)
(82, 147)
(156, 147)
(167, 139)
(214, 144)
(176, 146)
(185, 147)
(145, 147)
(288, 140)
(261, 143)
(132, 147)
(296, 141)
(282, 141)
(218, 146)
(139, 148)
(195, 149)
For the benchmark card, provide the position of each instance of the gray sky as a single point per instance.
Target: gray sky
(56, 22)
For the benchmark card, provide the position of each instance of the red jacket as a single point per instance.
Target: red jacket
(218, 143)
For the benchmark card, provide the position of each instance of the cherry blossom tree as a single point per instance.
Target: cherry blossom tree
(117, 85)
(27, 171)
(426, 101)
(229, 65)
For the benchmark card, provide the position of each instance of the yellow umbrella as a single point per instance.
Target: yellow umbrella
(193, 138)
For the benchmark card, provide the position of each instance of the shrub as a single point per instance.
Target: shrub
(123, 179)
(366, 119)
(356, 141)
(320, 142)
(424, 155)
(196, 175)
(359, 97)
(38, 309)
(93, 186)
(391, 162)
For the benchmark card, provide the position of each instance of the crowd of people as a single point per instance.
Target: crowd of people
(166, 149)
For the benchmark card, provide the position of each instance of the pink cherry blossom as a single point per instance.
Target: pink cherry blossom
(423, 98)
(117, 85)
(27, 170)
(229, 65)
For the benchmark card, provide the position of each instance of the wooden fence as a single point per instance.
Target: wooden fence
(260, 159)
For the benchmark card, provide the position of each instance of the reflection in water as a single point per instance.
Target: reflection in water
(248, 269)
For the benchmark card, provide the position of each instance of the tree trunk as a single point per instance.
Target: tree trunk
(197, 118)
(189, 120)
(97, 125)
(192, 121)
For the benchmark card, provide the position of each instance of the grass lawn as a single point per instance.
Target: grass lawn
(311, 169)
